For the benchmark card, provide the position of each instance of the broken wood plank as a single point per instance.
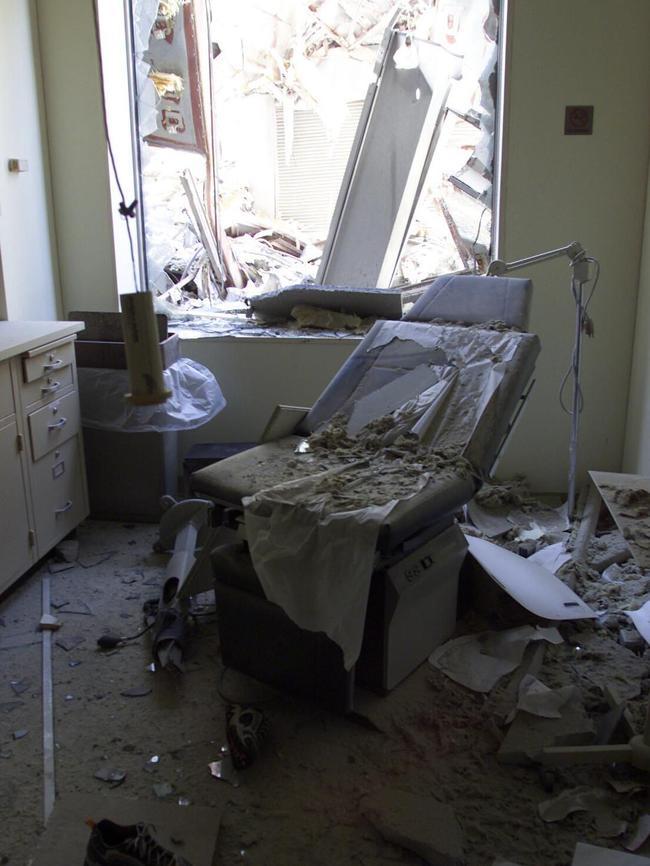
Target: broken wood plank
(200, 219)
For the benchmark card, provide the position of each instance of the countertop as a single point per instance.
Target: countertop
(17, 337)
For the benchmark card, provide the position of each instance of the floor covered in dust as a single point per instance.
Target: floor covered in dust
(302, 800)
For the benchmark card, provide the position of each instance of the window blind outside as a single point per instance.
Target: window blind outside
(308, 185)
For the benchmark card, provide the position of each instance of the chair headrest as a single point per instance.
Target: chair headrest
(474, 299)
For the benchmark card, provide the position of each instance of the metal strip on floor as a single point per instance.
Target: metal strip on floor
(48, 716)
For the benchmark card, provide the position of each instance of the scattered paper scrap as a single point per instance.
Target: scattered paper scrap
(532, 586)
(79, 607)
(162, 789)
(20, 686)
(224, 769)
(584, 799)
(20, 733)
(641, 619)
(479, 661)
(490, 523)
(552, 557)
(538, 700)
(533, 534)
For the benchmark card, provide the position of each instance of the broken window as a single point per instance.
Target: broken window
(348, 142)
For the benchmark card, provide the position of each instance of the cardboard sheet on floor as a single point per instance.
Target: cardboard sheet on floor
(64, 841)
(632, 520)
(531, 585)
(590, 855)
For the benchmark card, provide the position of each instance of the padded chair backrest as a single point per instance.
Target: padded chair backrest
(473, 299)
(397, 361)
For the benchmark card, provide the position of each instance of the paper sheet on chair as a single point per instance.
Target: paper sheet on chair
(315, 563)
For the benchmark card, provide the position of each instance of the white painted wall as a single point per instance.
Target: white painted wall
(637, 439)
(80, 182)
(255, 374)
(558, 189)
(28, 267)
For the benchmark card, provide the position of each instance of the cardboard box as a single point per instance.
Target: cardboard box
(101, 343)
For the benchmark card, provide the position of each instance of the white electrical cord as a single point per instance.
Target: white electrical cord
(585, 323)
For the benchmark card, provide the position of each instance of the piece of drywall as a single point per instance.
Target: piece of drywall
(29, 277)
(257, 373)
(80, 181)
(590, 188)
(637, 433)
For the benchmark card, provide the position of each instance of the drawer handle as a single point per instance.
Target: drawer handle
(64, 508)
(54, 364)
(59, 424)
(48, 389)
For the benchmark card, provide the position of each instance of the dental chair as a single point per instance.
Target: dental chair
(411, 605)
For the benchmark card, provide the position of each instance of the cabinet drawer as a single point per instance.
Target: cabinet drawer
(6, 393)
(53, 424)
(48, 387)
(58, 493)
(47, 362)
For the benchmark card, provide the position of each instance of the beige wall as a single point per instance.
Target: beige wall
(80, 181)
(558, 189)
(637, 438)
(28, 266)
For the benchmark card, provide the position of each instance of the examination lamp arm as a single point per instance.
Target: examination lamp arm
(574, 251)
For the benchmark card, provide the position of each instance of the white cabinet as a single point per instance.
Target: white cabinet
(42, 473)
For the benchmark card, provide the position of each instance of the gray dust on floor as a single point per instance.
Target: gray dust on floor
(300, 801)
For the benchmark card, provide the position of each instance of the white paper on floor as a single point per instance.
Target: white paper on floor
(552, 557)
(548, 520)
(584, 799)
(639, 835)
(478, 661)
(641, 619)
(531, 585)
(590, 855)
(490, 523)
(536, 698)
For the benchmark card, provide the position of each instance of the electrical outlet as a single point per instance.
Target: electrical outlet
(579, 120)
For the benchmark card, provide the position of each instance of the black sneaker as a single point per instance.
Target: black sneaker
(116, 845)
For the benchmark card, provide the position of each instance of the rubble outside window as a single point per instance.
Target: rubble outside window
(247, 114)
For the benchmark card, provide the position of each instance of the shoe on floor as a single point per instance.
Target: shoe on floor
(113, 844)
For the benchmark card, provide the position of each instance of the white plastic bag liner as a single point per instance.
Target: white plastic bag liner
(196, 398)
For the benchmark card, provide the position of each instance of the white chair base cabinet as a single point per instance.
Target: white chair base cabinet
(42, 474)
